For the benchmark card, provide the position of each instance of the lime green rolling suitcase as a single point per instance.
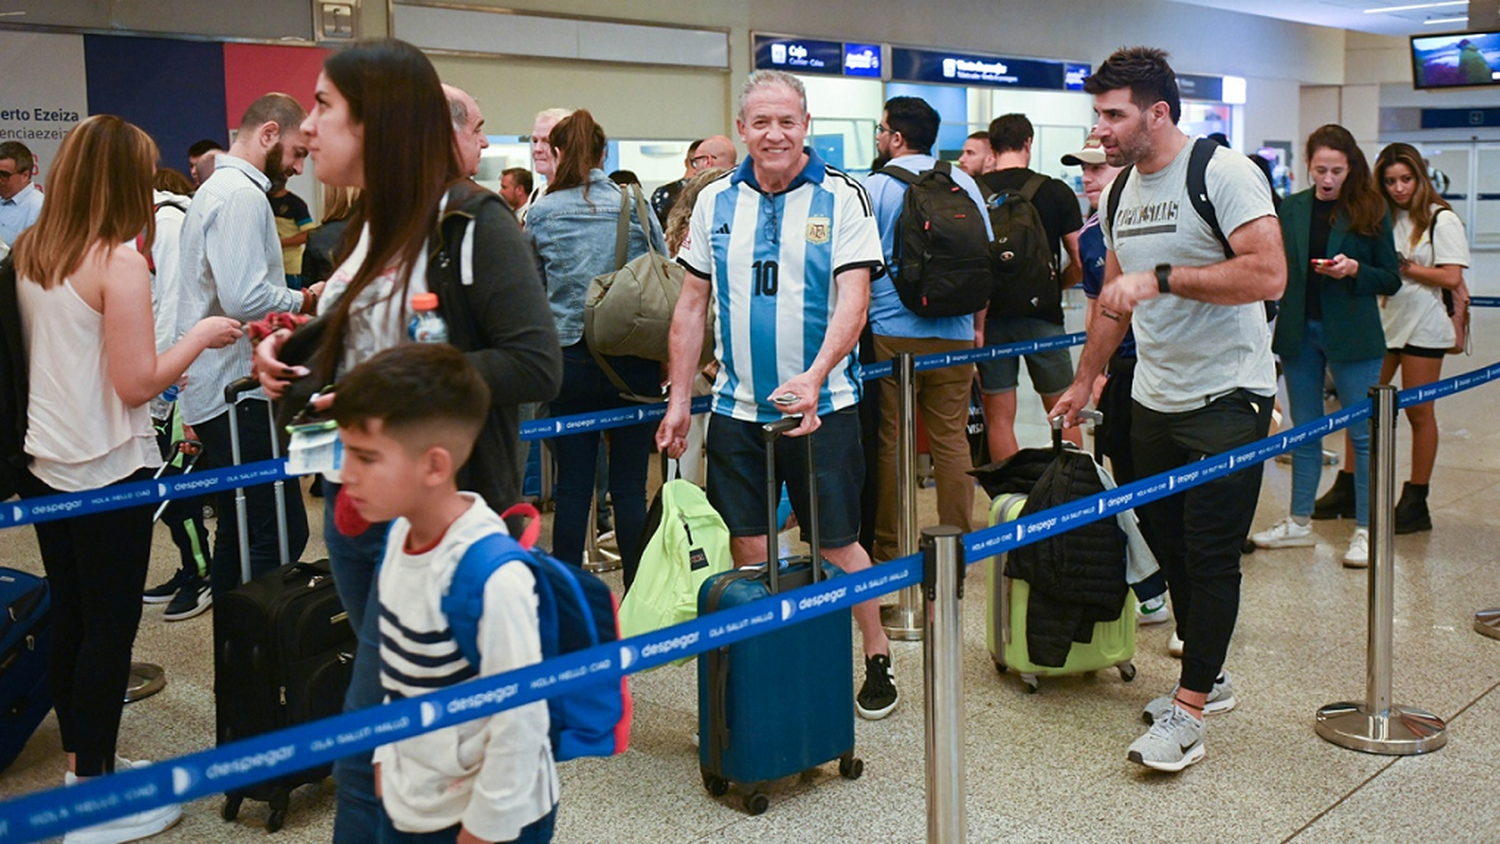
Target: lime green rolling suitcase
(1113, 644)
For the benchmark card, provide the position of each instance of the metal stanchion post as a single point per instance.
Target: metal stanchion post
(1376, 725)
(942, 675)
(1487, 623)
(903, 620)
(595, 558)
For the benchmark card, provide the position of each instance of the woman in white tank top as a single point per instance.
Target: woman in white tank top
(85, 313)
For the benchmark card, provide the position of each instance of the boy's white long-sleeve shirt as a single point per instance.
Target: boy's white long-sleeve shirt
(496, 774)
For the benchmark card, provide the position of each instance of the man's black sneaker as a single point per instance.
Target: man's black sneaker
(878, 696)
(164, 592)
(192, 599)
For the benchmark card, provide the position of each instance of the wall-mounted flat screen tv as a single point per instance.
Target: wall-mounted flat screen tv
(1455, 60)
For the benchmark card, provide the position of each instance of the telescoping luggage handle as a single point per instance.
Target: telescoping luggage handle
(232, 391)
(1093, 416)
(772, 430)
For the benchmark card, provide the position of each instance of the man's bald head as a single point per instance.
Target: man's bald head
(717, 151)
(468, 127)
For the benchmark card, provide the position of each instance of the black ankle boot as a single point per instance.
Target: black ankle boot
(1411, 510)
(1338, 501)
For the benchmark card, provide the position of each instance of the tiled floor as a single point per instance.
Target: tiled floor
(1049, 767)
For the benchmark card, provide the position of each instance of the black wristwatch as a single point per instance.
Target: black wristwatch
(1163, 276)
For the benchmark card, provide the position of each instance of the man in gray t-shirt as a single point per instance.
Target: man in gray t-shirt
(1204, 380)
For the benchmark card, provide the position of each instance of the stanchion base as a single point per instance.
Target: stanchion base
(1487, 623)
(1402, 731)
(603, 563)
(904, 624)
(145, 680)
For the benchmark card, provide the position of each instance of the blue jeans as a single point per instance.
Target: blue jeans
(586, 389)
(355, 561)
(538, 831)
(1352, 380)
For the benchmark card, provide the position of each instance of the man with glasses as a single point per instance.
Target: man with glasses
(664, 197)
(20, 200)
(904, 139)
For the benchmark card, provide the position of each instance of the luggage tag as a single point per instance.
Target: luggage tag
(315, 447)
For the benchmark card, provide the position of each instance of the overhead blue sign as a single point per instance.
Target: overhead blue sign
(1074, 75)
(800, 55)
(862, 60)
(1209, 88)
(967, 69)
(1459, 118)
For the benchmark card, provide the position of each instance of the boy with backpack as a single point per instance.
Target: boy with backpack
(407, 419)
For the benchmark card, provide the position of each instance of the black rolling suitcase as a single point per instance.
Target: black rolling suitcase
(283, 655)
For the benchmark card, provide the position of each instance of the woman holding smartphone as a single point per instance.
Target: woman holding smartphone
(1340, 257)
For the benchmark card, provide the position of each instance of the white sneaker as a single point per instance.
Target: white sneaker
(1174, 742)
(1285, 534)
(1153, 611)
(1174, 646)
(129, 828)
(1358, 555)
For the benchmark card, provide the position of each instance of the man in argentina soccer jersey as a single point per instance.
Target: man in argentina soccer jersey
(782, 249)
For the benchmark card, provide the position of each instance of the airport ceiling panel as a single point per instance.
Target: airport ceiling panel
(1383, 17)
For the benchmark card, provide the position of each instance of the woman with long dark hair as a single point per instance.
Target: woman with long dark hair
(85, 318)
(1339, 257)
(575, 228)
(381, 124)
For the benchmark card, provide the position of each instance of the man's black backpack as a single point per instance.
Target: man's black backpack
(1025, 271)
(940, 261)
(1197, 185)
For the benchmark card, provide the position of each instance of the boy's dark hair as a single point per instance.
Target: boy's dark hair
(915, 119)
(1144, 70)
(411, 385)
(1010, 132)
(200, 147)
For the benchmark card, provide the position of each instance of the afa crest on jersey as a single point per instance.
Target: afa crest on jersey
(818, 229)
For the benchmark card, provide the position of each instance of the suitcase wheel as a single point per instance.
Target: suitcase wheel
(756, 803)
(1032, 683)
(1127, 671)
(716, 785)
(275, 820)
(231, 808)
(1001, 668)
(1247, 547)
(851, 767)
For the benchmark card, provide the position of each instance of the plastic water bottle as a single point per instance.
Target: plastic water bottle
(161, 406)
(427, 324)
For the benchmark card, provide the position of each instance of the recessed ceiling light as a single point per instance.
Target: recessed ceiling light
(1439, 21)
(1410, 7)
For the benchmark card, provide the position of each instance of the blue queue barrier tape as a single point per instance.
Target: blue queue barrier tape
(1484, 301)
(208, 772)
(27, 511)
(558, 426)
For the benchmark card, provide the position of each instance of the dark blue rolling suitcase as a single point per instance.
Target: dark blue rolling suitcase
(783, 702)
(25, 635)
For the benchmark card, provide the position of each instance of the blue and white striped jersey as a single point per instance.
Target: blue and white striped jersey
(771, 260)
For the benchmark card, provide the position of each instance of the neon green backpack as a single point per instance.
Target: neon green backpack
(688, 542)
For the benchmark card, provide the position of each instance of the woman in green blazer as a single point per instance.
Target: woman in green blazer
(1340, 256)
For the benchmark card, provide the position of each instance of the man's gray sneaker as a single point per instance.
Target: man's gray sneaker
(1220, 699)
(1174, 742)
